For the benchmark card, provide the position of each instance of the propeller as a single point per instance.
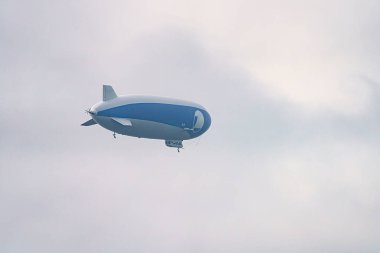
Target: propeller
(88, 111)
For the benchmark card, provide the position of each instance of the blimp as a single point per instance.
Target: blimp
(168, 119)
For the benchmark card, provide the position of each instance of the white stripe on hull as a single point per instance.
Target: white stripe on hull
(125, 100)
(144, 129)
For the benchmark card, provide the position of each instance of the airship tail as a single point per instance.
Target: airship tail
(89, 123)
(108, 93)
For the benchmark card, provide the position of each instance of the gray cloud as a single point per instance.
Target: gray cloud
(269, 176)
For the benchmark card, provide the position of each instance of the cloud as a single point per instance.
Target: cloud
(302, 52)
(289, 163)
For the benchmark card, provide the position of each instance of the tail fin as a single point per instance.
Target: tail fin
(108, 93)
(89, 123)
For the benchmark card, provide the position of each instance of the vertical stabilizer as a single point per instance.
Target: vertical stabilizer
(108, 93)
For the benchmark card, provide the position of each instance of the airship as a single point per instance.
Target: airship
(168, 119)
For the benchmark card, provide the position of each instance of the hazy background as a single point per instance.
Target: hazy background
(290, 163)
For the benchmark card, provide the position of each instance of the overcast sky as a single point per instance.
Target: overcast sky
(290, 163)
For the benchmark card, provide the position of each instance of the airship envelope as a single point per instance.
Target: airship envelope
(168, 119)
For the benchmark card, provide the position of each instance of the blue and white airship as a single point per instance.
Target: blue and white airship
(172, 120)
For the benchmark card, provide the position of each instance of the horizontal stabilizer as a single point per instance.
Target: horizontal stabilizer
(108, 93)
(124, 122)
(89, 123)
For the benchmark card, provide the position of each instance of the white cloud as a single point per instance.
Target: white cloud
(303, 52)
(268, 176)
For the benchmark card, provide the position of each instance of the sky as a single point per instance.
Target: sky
(291, 160)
